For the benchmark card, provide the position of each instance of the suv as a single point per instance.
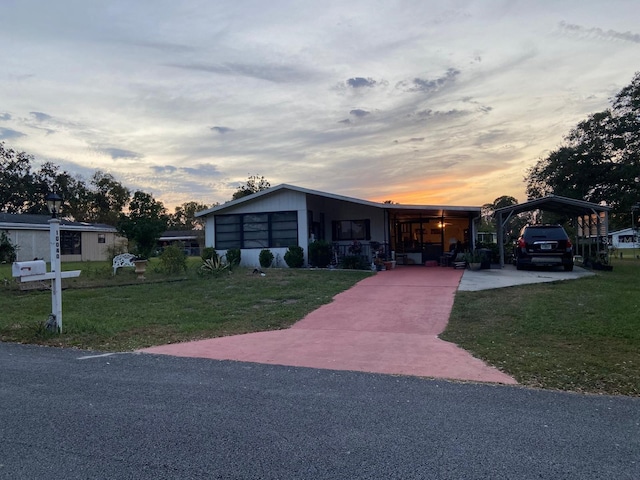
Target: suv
(543, 245)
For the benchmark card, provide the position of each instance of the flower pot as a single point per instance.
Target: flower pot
(475, 266)
(141, 268)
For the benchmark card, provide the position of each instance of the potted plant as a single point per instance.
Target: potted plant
(474, 259)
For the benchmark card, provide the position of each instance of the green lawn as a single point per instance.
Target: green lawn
(122, 313)
(581, 335)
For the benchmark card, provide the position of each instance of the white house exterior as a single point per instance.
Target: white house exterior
(287, 215)
(79, 241)
(624, 239)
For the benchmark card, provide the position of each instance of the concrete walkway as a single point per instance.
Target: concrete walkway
(388, 323)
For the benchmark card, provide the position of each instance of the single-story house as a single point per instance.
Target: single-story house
(626, 238)
(287, 215)
(79, 241)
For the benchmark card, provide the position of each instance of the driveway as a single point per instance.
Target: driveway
(388, 323)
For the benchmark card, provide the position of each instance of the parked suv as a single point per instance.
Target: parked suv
(543, 245)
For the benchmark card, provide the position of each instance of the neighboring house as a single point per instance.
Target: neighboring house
(627, 238)
(78, 241)
(487, 237)
(287, 215)
(189, 240)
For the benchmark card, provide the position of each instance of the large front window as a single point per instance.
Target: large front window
(351, 230)
(257, 230)
(70, 243)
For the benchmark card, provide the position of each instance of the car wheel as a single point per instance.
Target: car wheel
(568, 268)
(519, 266)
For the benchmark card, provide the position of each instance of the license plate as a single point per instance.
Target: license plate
(546, 246)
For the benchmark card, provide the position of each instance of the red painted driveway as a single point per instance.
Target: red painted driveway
(388, 323)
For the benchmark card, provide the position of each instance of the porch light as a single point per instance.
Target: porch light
(54, 201)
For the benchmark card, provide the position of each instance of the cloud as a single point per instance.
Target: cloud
(270, 73)
(428, 86)
(346, 121)
(159, 170)
(7, 134)
(417, 139)
(359, 113)
(222, 130)
(5, 116)
(118, 153)
(202, 170)
(40, 117)
(599, 33)
(359, 82)
(442, 114)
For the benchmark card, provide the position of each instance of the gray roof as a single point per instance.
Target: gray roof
(41, 222)
(441, 209)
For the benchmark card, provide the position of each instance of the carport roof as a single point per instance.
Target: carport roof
(555, 203)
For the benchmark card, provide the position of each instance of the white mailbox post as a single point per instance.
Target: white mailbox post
(37, 271)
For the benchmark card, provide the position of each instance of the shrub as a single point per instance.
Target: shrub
(114, 250)
(173, 259)
(8, 251)
(355, 262)
(266, 258)
(294, 256)
(320, 253)
(208, 252)
(214, 266)
(233, 257)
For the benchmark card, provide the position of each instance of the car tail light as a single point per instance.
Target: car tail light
(522, 243)
(569, 244)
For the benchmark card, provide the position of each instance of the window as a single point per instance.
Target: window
(102, 238)
(257, 230)
(70, 243)
(351, 230)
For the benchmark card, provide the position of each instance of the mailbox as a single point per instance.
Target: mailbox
(26, 269)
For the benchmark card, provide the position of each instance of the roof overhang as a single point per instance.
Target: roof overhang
(431, 210)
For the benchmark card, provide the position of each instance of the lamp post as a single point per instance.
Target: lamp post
(54, 201)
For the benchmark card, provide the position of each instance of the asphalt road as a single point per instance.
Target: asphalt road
(68, 414)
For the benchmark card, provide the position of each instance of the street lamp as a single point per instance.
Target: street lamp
(54, 201)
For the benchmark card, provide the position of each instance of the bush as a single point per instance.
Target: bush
(233, 257)
(266, 258)
(214, 266)
(8, 251)
(208, 252)
(114, 250)
(355, 262)
(294, 256)
(173, 259)
(320, 253)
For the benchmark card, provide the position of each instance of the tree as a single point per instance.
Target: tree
(107, 199)
(184, 216)
(144, 224)
(599, 160)
(254, 184)
(16, 180)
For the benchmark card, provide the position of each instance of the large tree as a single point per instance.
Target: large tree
(144, 224)
(599, 160)
(254, 184)
(184, 216)
(107, 198)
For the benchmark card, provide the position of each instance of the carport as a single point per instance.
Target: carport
(592, 220)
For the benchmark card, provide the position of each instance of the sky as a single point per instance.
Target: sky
(419, 102)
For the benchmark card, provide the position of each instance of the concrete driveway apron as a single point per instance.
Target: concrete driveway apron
(387, 323)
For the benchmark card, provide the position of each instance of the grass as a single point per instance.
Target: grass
(580, 335)
(121, 313)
